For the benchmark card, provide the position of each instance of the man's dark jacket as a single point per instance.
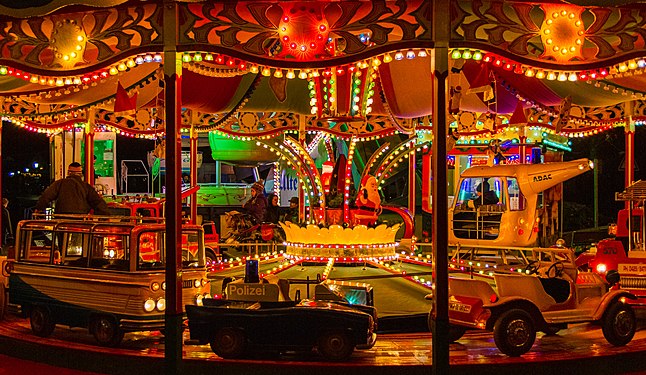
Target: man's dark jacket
(72, 196)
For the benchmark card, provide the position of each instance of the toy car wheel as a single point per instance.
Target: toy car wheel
(552, 329)
(106, 331)
(229, 343)
(41, 321)
(514, 332)
(619, 324)
(335, 345)
(455, 332)
(210, 256)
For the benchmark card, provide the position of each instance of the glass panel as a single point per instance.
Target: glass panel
(74, 245)
(37, 246)
(517, 200)
(110, 252)
(478, 191)
(151, 251)
(191, 254)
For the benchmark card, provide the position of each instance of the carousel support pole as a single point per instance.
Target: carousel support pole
(74, 143)
(302, 122)
(1, 194)
(412, 176)
(173, 121)
(193, 174)
(63, 166)
(629, 164)
(440, 68)
(522, 148)
(89, 148)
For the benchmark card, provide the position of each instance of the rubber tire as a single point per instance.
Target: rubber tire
(209, 256)
(3, 300)
(335, 345)
(619, 324)
(551, 330)
(106, 331)
(455, 332)
(514, 332)
(229, 343)
(41, 321)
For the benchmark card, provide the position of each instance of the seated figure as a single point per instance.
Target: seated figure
(484, 195)
(368, 202)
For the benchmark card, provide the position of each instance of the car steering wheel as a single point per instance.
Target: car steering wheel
(555, 270)
(532, 267)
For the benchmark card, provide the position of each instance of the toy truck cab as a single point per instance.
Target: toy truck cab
(546, 296)
(496, 205)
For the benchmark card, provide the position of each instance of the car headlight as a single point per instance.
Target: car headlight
(197, 283)
(601, 268)
(154, 286)
(149, 305)
(199, 300)
(163, 285)
(161, 304)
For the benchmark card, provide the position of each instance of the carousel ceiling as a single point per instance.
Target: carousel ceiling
(355, 68)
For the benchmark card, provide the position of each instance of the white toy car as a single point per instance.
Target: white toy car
(548, 295)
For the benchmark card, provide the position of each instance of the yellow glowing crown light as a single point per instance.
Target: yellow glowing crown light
(337, 241)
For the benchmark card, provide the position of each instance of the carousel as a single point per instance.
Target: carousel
(371, 108)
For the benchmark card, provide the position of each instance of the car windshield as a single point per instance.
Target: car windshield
(152, 254)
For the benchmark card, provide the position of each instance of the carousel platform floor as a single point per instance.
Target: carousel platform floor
(581, 349)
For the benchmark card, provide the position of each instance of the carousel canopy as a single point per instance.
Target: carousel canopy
(353, 68)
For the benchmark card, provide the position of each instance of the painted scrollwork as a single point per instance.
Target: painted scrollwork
(94, 36)
(516, 28)
(254, 27)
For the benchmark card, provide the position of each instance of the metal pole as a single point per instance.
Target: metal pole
(595, 185)
(629, 154)
(193, 175)
(173, 112)
(412, 178)
(89, 148)
(440, 68)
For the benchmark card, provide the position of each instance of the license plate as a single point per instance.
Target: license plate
(459, 307)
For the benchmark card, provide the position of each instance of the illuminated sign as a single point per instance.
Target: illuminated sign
(252, 292)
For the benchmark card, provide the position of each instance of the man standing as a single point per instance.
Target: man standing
(73, 195)
(7, 230)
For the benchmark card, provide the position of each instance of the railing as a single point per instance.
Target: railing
(250, 248)
(98, 218)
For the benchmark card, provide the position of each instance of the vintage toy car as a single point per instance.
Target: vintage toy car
(235, 329)
(551, 293)
(104, 273)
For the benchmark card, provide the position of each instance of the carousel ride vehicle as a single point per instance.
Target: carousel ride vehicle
(258, 315)
(236, 331)
(104, 273)
(550, 294)
(495, 211)
(624, 252)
